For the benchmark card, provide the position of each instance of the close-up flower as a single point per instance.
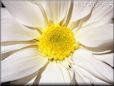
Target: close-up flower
(57, 42)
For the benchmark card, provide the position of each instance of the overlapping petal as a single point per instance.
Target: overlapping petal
(55, 10)
(25, 12)
(21, 64)
(83, 77)
(107, 58)
(14, 31)
(55, 73)
(8, 48)
(90, 65)
(82, 9)
(100, 37)
(102, 14)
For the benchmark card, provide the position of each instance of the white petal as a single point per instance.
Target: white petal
(80, 79)
(5, 49)
(55, 74)
(67, 74)
(102, 14)
(5, 14)
(55, 10)
(96, 37)
(107, 58)
(89, 63)
(81, 9)
(13, 31)
(25, 12)
(84, 77)
(21, 64)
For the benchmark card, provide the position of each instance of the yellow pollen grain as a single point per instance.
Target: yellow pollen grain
(57, 42)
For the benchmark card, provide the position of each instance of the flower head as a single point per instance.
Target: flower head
(59, 42)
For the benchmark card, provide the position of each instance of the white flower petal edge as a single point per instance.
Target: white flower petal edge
(83, 77)
(31, 82)
(107, 58)
(21, 64)
(56, 10)
(100, 37)
(80, 79)
(8, 48)
(25, 12)
(92, 66)
(13, 31)
(54, 74)
(81, 9)
(102, 14)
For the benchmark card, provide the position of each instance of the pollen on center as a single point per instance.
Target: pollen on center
(57, 42)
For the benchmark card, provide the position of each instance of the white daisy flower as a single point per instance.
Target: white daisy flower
(57, 42)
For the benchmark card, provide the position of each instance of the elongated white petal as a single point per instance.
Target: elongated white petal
(82, 9)
(85, 60)
(13, 31)
(21, 64)
(5, 49)
(96, 37)
(55, 74)
(25, 12)
(80, 79)
(107, 58)
(55, 10)
(84, 77)
(102, 14)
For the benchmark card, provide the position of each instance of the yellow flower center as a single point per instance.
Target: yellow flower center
(57, 42)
